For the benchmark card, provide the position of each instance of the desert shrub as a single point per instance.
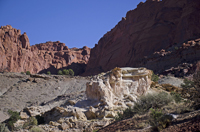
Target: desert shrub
(36, 129)
(154, 77)
(14, 116)
(158, 120)
(71, 72)
(176, 96)
(187, 83)
(22, 73)
(28, 73)
(3, 127)
(60, 72)
(127, 113)
(32, 121)
(196, 94)
(66, 72)
(196, 78)
(156, 100)
(176, 48)
(48, 73)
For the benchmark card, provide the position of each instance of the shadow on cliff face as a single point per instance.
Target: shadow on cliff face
(78, 69)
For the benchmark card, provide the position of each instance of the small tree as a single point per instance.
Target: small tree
(48, 73)
(14, 116)
(60, 72)
(71, 72)
(154, 77)
(66, 72)
(28, 73)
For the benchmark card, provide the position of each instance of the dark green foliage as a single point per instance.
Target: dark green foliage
(28, 73)
(151, 101)
(14, 116)
(48, 73)
(32, 121)
(66, 72)
(71, 72)
(3, 128)
(187, 84)
(176, 48)
(196, 79)
(176, 97)
(196, 95)
(22, 72)
(154, 77)
(145, 103)
(127, 113)
(60, 72)
(158, 120)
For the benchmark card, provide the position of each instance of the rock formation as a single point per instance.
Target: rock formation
(119, 87)
(152, 26)
(107, 94)
(18, 56)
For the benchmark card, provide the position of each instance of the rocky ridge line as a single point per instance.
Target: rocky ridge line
(18, 56)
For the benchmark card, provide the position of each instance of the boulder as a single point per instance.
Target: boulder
(116, 86)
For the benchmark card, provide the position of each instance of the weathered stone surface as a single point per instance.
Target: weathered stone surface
(18, 56)
(152, 26)
(116, 86)
(24, 115)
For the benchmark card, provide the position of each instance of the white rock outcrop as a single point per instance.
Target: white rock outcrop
(119, 87)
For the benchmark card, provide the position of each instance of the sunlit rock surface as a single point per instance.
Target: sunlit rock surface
(119, 87)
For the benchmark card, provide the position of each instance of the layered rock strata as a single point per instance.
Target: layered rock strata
(18, 56)
(152, 26)
(119, 87)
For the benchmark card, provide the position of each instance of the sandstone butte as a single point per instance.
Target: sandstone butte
(18, 56)
(151, 27)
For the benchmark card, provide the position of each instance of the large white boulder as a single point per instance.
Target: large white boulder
(119, 86)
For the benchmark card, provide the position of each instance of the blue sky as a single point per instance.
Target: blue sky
(74, 22)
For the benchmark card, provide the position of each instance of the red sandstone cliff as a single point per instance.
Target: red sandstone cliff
(18, 56)
(152, 26)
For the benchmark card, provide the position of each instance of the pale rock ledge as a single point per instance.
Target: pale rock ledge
(119, 87)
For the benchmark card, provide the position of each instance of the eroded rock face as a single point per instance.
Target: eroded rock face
(18, 56)
(152, 26)
(119, 87)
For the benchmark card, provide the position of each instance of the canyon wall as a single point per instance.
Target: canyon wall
(18, 56)
(151, 27)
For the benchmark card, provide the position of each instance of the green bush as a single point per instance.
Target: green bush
(14, 116)
(71, 72)
(28, 73)
(187, 83)
(36, 129)
(158, 120)
(154, 77)
(3, 128)
(127, 113)
(32, 121)
(48, 73)
(176, 48)
(60, 72)
(22, 73)
(176, 97)
(66, 72)
(156, 100)
(196, 78)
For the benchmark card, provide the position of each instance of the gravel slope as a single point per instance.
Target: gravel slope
(19, 91)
